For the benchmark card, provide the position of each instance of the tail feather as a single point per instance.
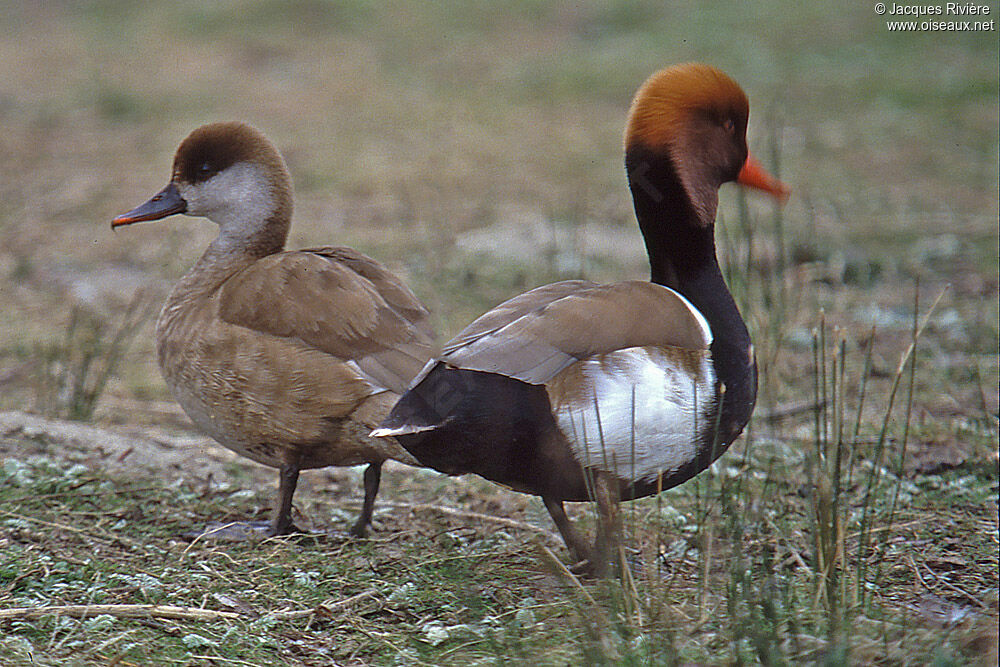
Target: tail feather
(406, 429)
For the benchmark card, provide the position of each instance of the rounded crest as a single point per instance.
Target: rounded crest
(670, 97)
(215, 147)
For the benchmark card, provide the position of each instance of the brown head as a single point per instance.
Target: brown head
(233, 175)
(692, 119)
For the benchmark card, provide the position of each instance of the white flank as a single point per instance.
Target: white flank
(644, 413)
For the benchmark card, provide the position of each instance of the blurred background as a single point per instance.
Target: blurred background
(476, 148)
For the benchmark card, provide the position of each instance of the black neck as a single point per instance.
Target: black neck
(681, 248)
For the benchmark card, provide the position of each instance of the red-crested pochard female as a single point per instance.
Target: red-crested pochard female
(578, 391)
(289, 358)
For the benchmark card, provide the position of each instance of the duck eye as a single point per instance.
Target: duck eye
(204, 169)
(729, 125)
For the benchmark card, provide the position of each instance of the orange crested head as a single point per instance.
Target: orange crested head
(695, 117)
(672, 98)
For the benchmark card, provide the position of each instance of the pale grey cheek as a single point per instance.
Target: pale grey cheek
(193, 199)
(209, 197)
(237, 199)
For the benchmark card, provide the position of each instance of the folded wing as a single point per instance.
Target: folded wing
(338, 301)
(536, 335)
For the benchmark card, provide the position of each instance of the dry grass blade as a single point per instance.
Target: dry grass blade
(474, 516)
(77, 370)
(323, 609)
(119, 611)
(787, 411)
(874, 476)
(565, 572)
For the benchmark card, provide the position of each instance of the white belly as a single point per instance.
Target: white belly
(637, 412)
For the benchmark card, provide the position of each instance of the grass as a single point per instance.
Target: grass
(434, 137)
(76, 370)
(726, 569)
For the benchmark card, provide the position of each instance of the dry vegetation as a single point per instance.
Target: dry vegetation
(475, 147)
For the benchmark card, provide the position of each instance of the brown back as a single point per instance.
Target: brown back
(535, 335)
(338, 301)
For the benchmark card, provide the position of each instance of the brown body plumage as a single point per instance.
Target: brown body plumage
(289, 358)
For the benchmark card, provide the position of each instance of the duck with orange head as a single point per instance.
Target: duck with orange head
(580, 391)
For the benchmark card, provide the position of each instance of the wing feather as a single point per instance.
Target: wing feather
(534, 336)
(338, 301)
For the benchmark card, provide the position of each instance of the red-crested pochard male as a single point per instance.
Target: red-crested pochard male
(578, 391)
(289, 358)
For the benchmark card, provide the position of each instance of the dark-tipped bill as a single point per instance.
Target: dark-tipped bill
(753, 175)
(165, 202)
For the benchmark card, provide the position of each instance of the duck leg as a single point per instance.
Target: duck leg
(594, 560)
(607, 546)
(281, 520)
(281, 516)
(373, 476)
(579, 550)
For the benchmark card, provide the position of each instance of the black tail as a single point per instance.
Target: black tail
(460, 421)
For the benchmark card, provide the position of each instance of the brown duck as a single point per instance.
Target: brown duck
(579, 391)
(289, 358)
